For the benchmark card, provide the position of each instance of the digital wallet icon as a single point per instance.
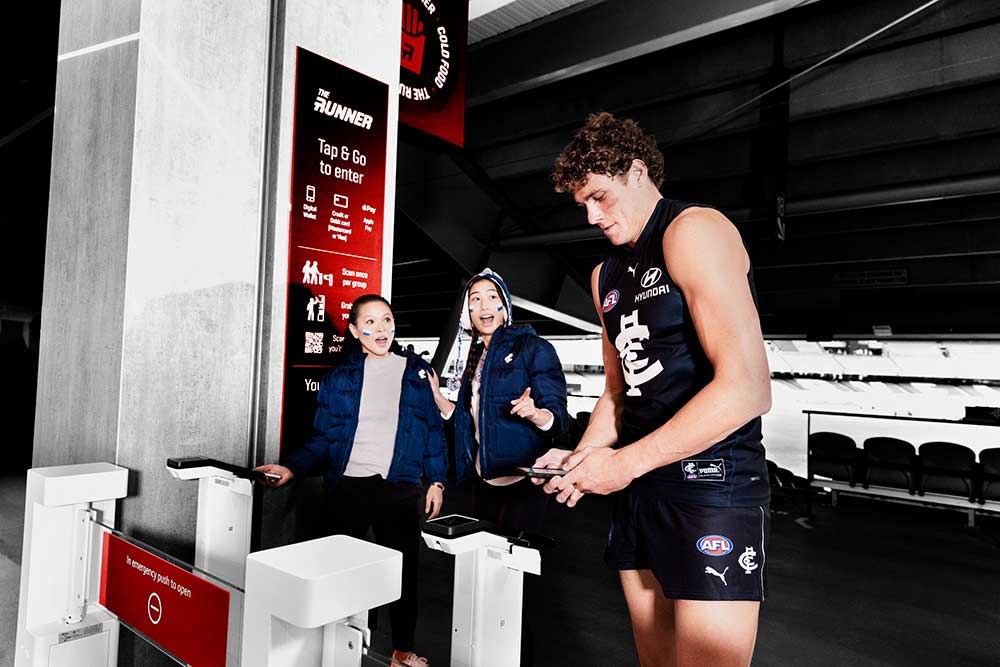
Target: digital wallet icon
(310, 194)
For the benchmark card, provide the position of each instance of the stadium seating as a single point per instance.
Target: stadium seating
(891, 462)
(835, 456)
(949, 468)
(990, 486)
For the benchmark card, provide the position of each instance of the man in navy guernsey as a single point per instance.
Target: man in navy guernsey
(677, 430)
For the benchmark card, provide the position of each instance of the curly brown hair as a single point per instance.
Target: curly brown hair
(606, 145)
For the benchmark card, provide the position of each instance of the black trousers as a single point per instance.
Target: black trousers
(516, 507)
(393, 512)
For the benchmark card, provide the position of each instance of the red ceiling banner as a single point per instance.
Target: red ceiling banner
(432, 67)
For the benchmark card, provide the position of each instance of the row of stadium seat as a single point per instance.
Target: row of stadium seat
(936, 467)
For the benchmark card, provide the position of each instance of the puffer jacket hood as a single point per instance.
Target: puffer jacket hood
(465, 322)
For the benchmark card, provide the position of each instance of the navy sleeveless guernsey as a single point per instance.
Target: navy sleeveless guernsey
(648, 321)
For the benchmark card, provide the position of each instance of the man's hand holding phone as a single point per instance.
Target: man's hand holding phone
(550, 464)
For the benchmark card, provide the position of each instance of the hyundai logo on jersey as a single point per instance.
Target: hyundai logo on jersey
(715, 545)
(651, 277)
(610, 301)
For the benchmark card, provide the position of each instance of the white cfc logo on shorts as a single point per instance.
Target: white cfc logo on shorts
(629, 343)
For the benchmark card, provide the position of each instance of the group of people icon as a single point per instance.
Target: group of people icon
(311, 274)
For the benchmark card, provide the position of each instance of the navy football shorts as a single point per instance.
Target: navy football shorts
(696, 552)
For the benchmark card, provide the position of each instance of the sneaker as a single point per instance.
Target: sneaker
(408, 659)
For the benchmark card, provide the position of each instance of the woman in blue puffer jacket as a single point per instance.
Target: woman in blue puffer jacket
(377, 434)
(511, 404)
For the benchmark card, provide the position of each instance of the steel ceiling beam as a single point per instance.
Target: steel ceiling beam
(601, 35)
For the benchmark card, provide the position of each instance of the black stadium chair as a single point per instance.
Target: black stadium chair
(990, 462)
(835, 456)
(890, 462)
(946, 467)
(789, 493)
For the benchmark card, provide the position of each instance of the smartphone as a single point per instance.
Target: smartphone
(266, 477)
(542, 473)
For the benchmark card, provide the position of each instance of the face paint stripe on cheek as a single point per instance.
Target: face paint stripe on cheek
(365, 332)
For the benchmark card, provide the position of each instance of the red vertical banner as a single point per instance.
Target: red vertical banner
(340, 130)
(179, 611)
(432, 67)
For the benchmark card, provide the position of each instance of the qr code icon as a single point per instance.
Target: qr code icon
(314, 342)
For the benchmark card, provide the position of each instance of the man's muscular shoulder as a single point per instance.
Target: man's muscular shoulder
(700, 238)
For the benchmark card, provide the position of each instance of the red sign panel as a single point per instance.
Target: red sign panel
(335, 228)
(184, 614)
(432, 67)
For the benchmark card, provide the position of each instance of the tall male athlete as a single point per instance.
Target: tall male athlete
(677, 429)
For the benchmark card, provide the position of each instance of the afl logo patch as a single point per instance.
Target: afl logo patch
(651, 277)
(610, 301)
(714, 545)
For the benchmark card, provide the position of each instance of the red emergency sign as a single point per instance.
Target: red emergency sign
(184, 614)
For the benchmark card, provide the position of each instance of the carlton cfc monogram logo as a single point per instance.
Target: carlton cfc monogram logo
(629, 344)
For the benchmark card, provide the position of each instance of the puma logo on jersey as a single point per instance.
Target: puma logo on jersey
(715, 573)
(637, 371)
(631, 269)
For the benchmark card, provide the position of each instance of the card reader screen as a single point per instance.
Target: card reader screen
(454, 521)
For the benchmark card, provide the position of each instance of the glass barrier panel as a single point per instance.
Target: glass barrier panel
(190, 615)
(374, 659)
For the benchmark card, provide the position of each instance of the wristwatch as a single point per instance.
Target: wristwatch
(438, 484)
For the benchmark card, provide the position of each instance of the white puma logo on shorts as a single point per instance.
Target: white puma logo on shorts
(721, 575)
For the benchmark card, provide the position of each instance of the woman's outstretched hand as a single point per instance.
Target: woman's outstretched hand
(275, 469)
(524, 407)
